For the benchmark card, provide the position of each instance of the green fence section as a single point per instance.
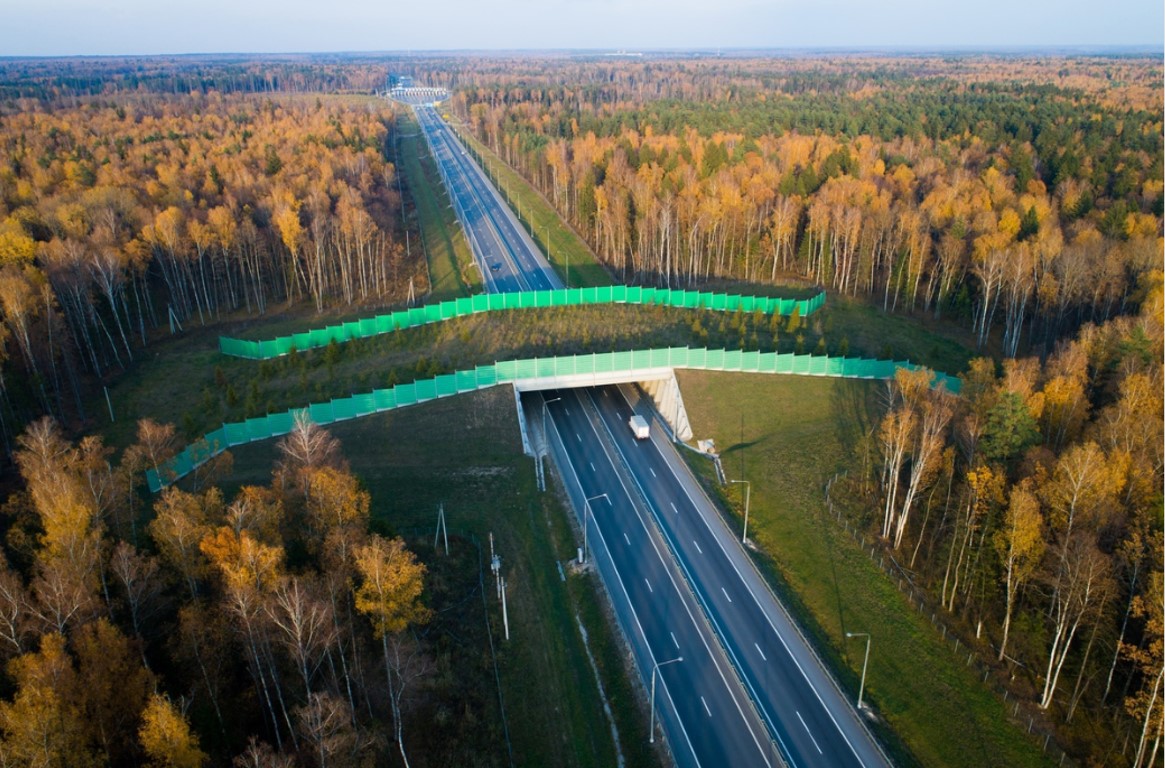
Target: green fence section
(511, 371)
(446, 310)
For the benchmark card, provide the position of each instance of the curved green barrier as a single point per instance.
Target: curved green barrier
(510, 371)
(492, 302)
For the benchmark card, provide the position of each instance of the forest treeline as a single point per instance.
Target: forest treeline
(268, 630)
(120, 218)
(73, 80)
(1030, 510)
(1024, 207)
(1024, 199)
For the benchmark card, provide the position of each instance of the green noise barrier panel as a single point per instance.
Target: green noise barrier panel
(510, 371)
(492, 302)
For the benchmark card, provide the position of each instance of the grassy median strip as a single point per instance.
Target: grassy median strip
(797, 432)
(450, 259)
(570, 256)
(464, 452)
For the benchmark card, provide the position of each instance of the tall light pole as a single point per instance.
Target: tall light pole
(654, 671)
(587, 512)
(545, 403)
(865, 663)
(747, 499)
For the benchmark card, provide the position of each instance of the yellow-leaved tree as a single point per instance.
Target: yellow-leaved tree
(390, 596)
(166, 736)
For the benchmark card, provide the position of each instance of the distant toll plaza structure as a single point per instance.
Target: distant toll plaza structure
(401, 88)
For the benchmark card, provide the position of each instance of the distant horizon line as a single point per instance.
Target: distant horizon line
(1095, 49)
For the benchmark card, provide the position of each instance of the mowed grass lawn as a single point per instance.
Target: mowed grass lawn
(797, 434)
(465, 452)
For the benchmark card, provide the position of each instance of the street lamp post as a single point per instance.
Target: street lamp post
(747, 499)
(654, 671)
(586, 513)
(865, 663)
(545, 403)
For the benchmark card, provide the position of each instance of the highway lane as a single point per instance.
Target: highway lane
(490, 252)
(710, 721)
(807, 714)
(527, 258)
(508, 258)
(789, 688)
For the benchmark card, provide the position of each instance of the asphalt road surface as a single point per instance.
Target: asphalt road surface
(749, 691)
(508, 258)
(804, 710)
(708, 717)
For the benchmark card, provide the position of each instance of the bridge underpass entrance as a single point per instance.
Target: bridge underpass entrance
(655, 395)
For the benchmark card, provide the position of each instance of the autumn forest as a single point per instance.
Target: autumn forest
(1013, 204)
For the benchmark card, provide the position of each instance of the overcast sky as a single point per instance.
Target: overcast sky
(69, 27)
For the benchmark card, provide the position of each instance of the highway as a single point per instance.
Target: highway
(749, 691)
(509, 260)
(806, 713)
(708, 716)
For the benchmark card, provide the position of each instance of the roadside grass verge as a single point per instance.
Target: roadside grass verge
(465, 452)
(798, 432)
(451, 272)
(566, 248)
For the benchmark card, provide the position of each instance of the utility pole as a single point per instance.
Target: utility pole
(495, 565)
(441, 528)
(505, 613)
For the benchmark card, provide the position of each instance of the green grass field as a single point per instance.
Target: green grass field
(465, 452)
(797, 434)
(451, 268)
(570, 256)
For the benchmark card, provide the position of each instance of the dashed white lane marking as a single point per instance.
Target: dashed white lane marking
(567, 411)
(648, 583)
(626, 539)
(697, 547)
(762, 653)
(675, 642)
(593, 466)
(706, 707)
(673, 508)
(810, 733)
(652, 471)
(725, 591)
(578, 436)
